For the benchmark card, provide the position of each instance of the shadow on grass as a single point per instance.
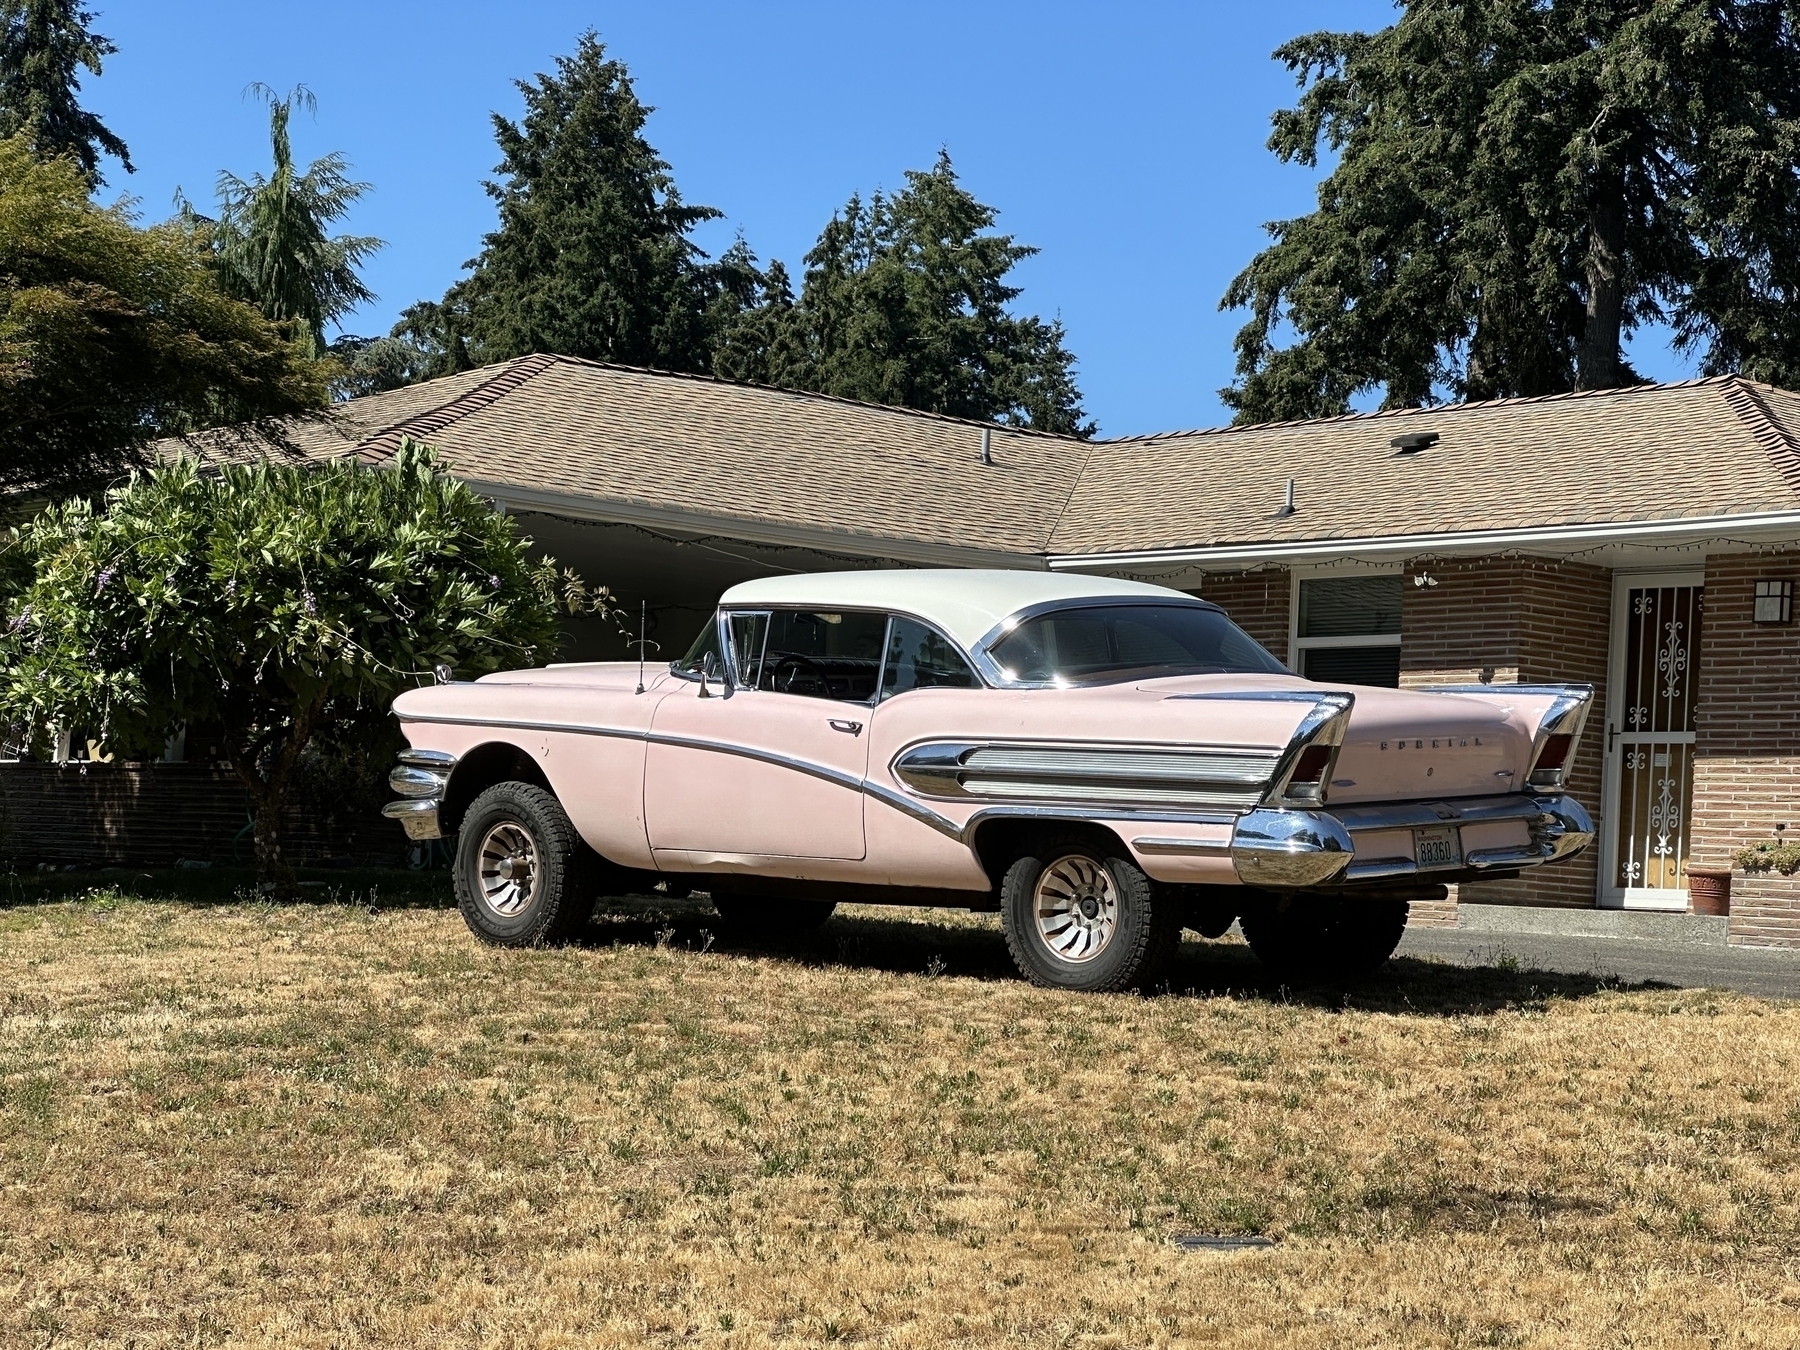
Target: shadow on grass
(914, 942)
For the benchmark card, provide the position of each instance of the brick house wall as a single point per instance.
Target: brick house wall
(1517, 621)
(1747, 740)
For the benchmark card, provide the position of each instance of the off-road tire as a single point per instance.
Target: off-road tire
(1308, 939)
(1144, 937)
(745, 917)
(561, 900)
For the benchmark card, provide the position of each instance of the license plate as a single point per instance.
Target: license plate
(1440, 846)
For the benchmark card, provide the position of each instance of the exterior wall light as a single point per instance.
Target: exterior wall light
(1774, 602)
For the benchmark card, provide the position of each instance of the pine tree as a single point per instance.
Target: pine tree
(272, 233)
(43, 44)
(592, 256)
(1521, 184)
(904, 302)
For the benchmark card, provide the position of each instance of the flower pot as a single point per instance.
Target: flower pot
(1709, 890)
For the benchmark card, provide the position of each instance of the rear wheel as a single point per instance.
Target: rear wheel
(522, 873)
(751, 916)
(1315, 939)
(1079, 914)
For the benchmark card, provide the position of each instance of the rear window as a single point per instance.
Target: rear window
(1100, 643)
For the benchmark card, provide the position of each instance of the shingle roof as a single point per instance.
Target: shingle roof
(732, 451)
(622, 437)
(1652, 452)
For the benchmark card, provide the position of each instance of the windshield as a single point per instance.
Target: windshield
(1095, 644)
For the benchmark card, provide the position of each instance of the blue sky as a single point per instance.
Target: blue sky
(1123, 139)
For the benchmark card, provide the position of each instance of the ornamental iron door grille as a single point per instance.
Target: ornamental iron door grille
(1653, 741)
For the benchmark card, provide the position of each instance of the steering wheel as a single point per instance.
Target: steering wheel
(799, 668)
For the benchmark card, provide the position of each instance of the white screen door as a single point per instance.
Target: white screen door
(1649, 782)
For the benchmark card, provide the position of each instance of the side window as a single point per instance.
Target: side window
(918, 658)
(821, 655)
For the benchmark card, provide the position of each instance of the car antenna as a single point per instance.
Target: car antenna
(643, 607)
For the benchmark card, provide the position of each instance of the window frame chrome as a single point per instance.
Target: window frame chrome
(723, 616)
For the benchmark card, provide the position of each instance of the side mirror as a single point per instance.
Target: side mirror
(710, 667)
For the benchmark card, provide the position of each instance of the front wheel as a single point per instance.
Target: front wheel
(1312, 939)
(1079, 914)
(520, 874)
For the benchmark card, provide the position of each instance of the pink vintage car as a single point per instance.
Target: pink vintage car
(1103, 762)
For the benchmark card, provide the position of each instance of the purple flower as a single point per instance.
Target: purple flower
(307, 603)
(231, 586)
(493, 583)
(106, 576)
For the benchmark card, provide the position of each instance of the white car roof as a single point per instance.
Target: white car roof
(965, 603)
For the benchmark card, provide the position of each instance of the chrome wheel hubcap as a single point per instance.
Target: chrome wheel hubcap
(1077, 907)
(509, 870)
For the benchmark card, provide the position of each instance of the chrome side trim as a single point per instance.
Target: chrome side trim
(1191, 847)
(515, 724)
(1102, 773)
(829, 773)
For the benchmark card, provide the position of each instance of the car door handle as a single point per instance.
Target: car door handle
(845, 725)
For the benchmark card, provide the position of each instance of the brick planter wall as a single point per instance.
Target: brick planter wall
(153, 815)
(1765, 911)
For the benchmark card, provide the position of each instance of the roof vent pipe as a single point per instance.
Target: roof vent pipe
(1287, 501)
(987, 445)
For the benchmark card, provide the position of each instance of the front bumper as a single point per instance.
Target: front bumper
(1287, 849)
(421, 779)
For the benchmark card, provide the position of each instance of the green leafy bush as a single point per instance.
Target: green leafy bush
(281, 601)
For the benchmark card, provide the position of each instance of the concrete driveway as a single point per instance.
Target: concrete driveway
(1749, 970)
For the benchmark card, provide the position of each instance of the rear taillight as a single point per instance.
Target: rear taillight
(1552, 762)
(1314, 760)
(1307, 783)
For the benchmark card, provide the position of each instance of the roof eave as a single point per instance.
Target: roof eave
(1758, 528)
(579, 506)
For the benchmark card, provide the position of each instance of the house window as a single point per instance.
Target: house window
(1347, 629)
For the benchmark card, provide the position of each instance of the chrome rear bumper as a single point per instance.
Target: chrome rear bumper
(421, 779)
(1300, 849)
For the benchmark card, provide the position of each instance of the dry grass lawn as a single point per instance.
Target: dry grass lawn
(345, 1124)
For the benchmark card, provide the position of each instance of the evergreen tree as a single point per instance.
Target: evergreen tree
(1520, 185)
(272, 233)
(592, 256)
(904, 302)
(43, 44)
